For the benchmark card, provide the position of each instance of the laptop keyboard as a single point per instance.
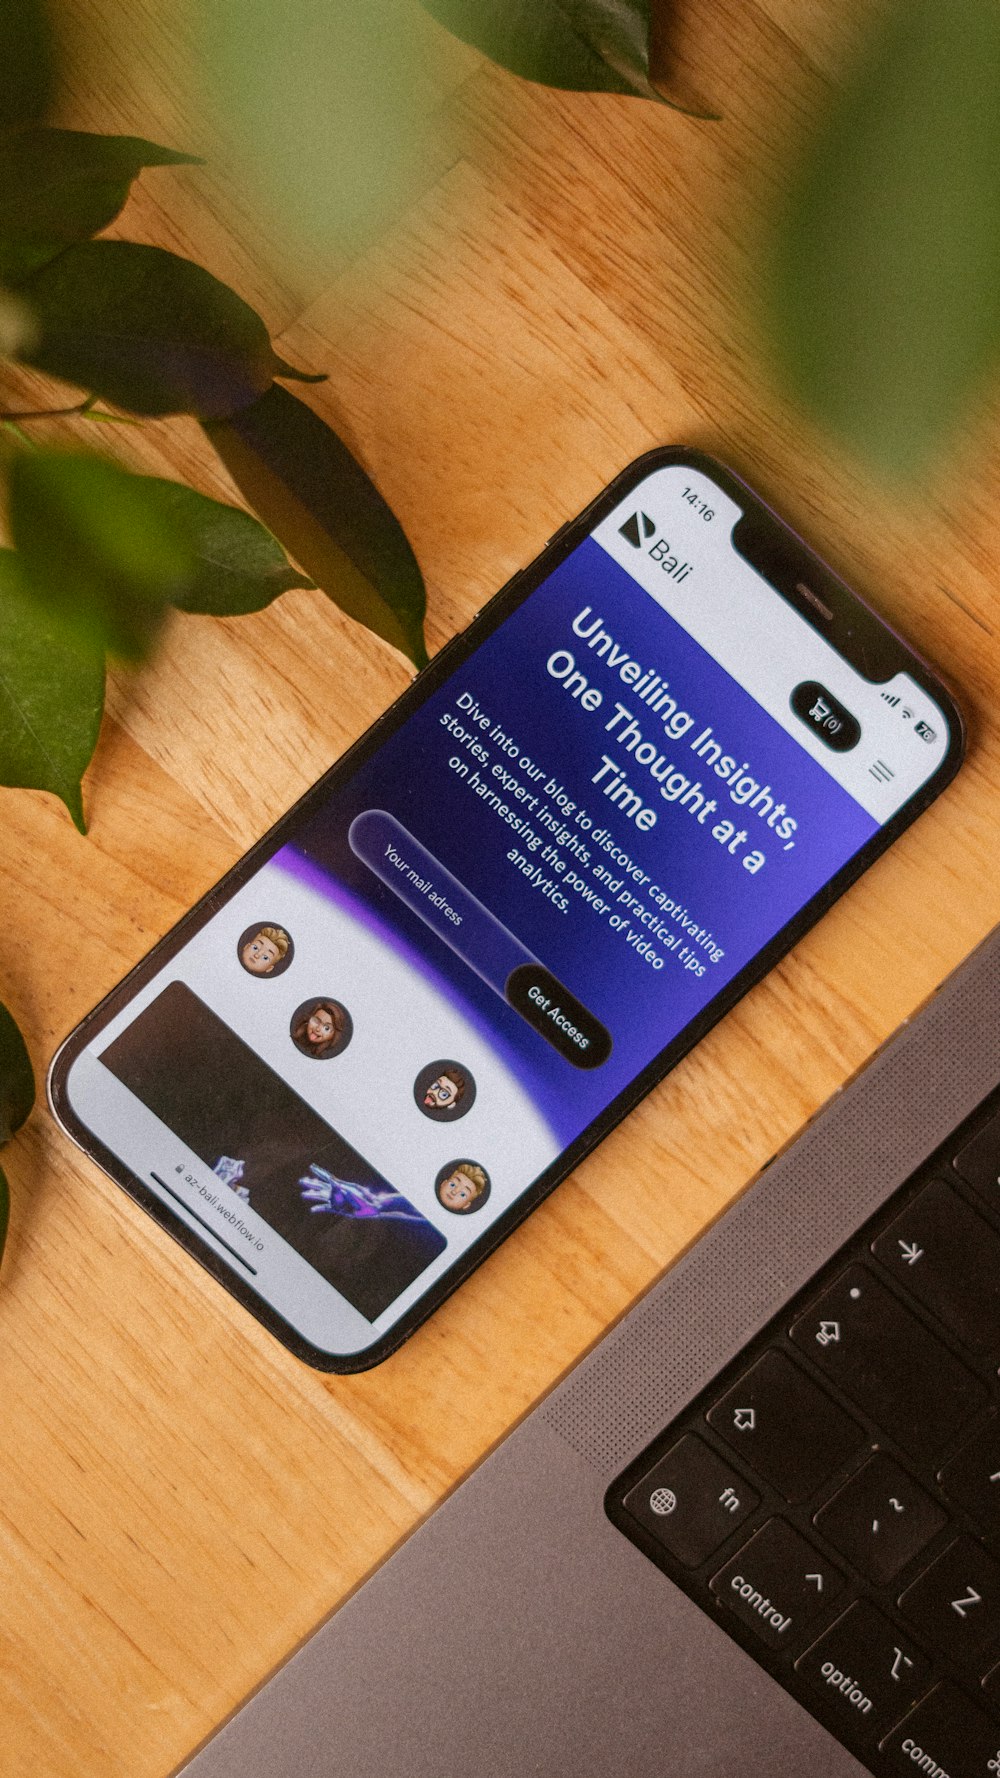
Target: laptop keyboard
(832, 1500)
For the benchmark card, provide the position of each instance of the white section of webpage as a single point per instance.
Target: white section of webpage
(401, 1023)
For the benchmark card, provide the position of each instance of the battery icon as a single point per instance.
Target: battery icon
(924, 730)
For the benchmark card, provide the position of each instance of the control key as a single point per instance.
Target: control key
(777, 1583)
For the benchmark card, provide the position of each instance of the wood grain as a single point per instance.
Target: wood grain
(569, 280)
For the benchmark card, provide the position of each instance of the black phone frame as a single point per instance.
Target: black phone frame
(851, 626)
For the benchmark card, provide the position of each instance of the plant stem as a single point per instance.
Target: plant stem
(48, 413)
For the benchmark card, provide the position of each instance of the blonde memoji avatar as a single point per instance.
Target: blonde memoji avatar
(265, 950)
(444, 1091)
(462, 1187)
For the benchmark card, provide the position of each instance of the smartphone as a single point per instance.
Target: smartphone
(590, 825)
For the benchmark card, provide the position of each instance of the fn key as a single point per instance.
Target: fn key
(691, 1501)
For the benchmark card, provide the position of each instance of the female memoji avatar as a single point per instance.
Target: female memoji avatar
(444, 1091)
(462, 1187)
(265, 950)
(321, 1029)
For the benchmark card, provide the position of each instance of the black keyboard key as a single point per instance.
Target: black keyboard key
(868, 1673)
(991, 1687)
(949, 1259)
(972, 1479)
(691, 1501)
(880, 1520)
(777, 1583)
(978, 1163)
(889, 1363)
(785, 1426)
(946, 1737)
(956, 1605)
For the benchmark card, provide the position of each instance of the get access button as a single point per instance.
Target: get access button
(557, 1015)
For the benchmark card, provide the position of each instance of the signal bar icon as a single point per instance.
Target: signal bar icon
(891, 699)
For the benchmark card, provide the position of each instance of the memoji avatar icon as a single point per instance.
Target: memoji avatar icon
(462, 1187)
(321, 1028)
(444, 1091)
(265, 949)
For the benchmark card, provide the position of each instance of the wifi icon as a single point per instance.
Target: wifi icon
(906, 714)
(638, 529)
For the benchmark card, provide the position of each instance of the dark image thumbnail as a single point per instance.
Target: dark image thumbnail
(267, 1144)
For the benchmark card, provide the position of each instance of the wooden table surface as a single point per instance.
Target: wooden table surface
(570, 280)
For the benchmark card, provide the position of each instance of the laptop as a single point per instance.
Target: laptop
(757, 1530)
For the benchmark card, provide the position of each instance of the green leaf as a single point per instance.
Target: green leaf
(26, 62)
(311, 492)
(238, 565)
(887, 285)
(17, 1082)
(51, 696)
(583, 45)
(61, 186)
(149, 332)
(96, 548)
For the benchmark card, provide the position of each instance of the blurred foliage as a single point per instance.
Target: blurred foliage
(102, 554)
(26, 62)
(51, 695)
(887, 288)
(583, 45)
(325, 102)
(96, 548)
(884, 286)
(17, 1096)
(329, 102)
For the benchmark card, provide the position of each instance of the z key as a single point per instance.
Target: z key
(955, 1605)
(949, 1259)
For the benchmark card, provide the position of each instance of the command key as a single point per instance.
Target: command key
(946, 1737)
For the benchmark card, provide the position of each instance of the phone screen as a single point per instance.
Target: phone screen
(474, 943)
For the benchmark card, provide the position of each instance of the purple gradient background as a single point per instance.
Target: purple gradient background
(409, 776)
